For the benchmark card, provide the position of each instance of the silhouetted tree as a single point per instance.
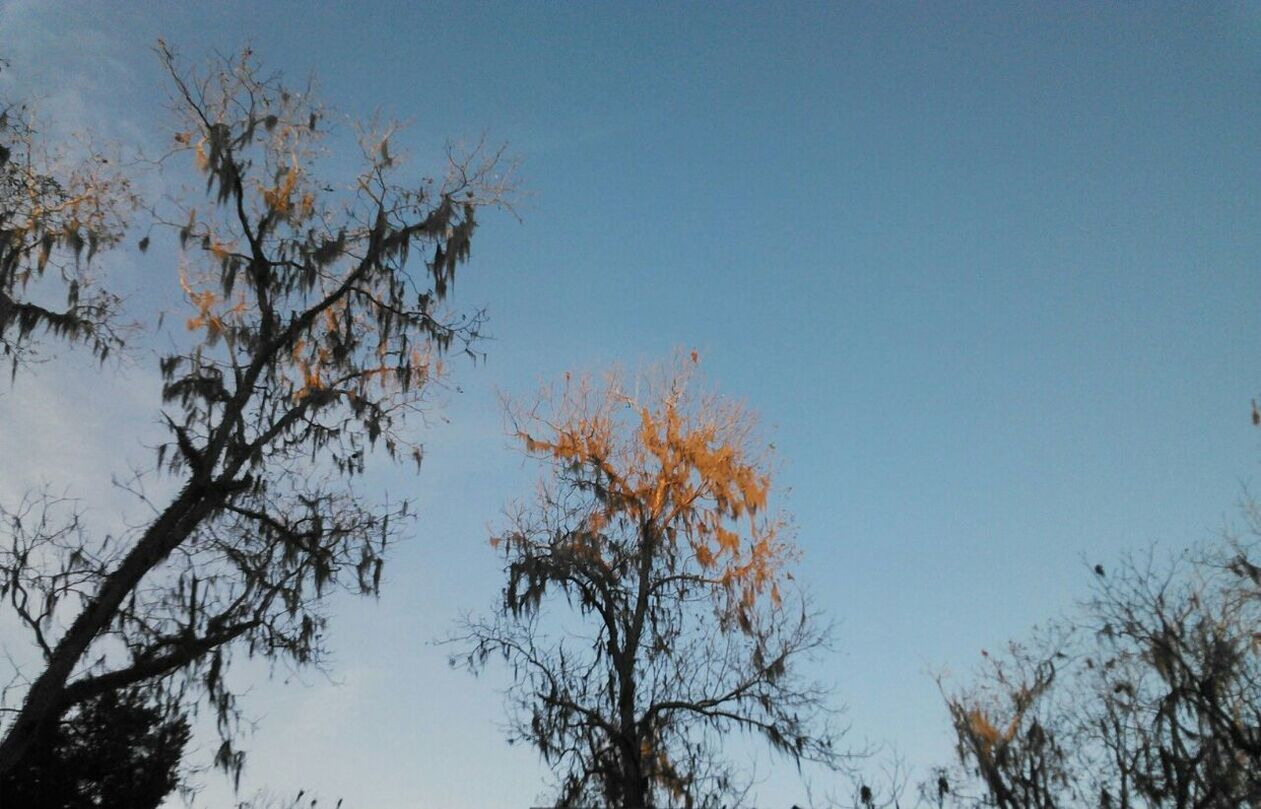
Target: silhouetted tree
(56, 212)
(316, 328)
(116, 750)
(652, 523)
(1151, 698)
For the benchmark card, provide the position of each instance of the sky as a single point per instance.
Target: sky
(987, 272)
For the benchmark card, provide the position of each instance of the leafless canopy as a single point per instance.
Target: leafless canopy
(1151, 699)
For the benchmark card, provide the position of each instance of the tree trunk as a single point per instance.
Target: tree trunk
(45, 700)
(634, 790)
(635, 786)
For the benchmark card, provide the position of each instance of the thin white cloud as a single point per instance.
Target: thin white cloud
(64, 62)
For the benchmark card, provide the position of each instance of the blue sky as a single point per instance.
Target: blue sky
(987, 271)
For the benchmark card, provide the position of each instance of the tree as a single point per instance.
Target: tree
(118, 749)
(56, 213)
(1152, 698)
(653, 522)
(317, 326)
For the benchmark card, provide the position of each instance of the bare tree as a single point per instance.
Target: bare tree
(652, 527)
(316, 328)
(1151, 698)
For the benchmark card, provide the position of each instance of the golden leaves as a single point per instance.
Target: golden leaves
(668, 463)
(728, 541)
(204, 302)
(279, 196)
(221, 250)
(982, 728)
(199, 156)
(306, 206)
(213, 320)
(310, 364)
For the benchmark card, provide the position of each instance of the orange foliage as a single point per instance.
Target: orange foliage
(221, 250)
(681, 466)
(199, 155)
(278, 197)
(204, 301)
(982, 728)
(980, 725)
(207, 316)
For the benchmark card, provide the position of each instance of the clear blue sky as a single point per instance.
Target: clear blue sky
(989, 271)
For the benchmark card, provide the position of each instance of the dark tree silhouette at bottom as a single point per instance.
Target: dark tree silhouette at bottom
(118, 750)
